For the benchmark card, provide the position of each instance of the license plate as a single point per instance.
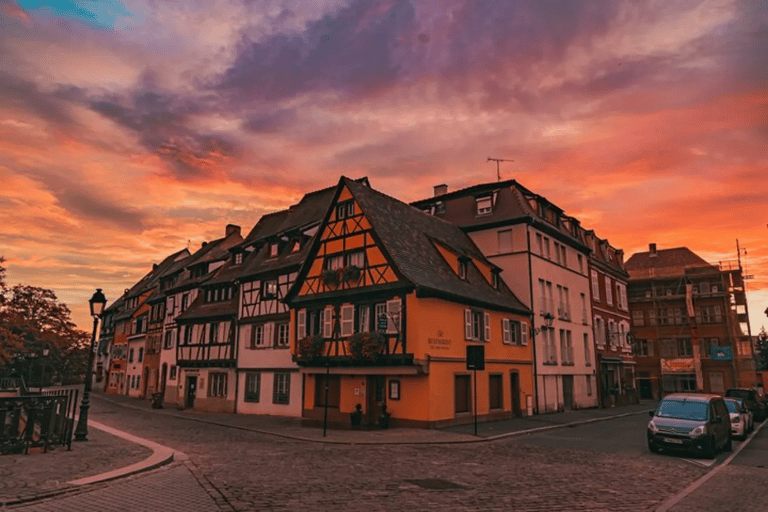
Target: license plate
(673, 441)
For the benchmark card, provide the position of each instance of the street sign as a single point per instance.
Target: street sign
(475, 357)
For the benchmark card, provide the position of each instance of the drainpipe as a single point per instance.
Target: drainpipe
(533, 324)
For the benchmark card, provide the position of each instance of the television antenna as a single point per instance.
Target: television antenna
(498, 160)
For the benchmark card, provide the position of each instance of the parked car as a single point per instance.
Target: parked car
(692, 422)
(752, 400)
(741, 417)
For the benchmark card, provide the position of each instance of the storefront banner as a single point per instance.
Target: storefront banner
(677, 365)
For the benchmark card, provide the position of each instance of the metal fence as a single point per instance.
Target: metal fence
(37, 421)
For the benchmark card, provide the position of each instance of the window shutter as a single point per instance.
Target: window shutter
(523, 333)
(467, 324)
(269, 334)
(245, 335)
(347, 320)
(301, 324)
(393, 316)
(505, 334)
(718, 317)
(328, 322)
(487, 327)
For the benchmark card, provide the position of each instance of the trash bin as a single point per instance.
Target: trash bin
(157, 400)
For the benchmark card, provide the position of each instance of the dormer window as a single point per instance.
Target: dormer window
(273, 249)
(238, 258)
(495, 279)
(484, 205)
(463, 260)
(269, 289)
(296, 246)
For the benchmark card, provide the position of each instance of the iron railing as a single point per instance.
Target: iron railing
(37, 421)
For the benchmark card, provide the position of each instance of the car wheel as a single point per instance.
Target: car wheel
(729, 444)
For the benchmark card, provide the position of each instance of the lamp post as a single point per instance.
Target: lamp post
(97, 303)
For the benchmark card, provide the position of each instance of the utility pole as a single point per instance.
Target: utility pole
(497, 160)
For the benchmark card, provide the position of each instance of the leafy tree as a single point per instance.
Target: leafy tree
(33, 322)
(761, 350)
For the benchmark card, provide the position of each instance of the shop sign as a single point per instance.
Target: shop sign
(678, 365)
(721, 353)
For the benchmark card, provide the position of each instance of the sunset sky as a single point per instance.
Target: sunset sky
(129, 130)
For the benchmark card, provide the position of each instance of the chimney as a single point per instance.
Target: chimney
(232, 229)
(154, 266)
(203, 244)
(652, 250)
(441, 189)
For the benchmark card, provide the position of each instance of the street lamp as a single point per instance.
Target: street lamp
(97, 303)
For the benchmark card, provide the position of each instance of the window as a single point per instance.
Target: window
(710, 315)
(495, 391)
(484, 205)
(301, 324)
(477, 325)
(394, 389)
(643, 348)
(599, 328)
(583, 308)
(462, 393)
(540, 244)
(327, 322)
(589, 385)
(581, 263)
(334, 262)
(381, 311)
(505, 240)
(546, 249)
(174, 368)
(252, 386)
(130, 356)
(550, 349)
(612, 334)
(138, 381)
(608, 291)
(274, 249)
(282, 335)
(637, 318)
(184, 302)
(296, 246)
(345, 209)
(217, 384)
(169, 339)
(356, 259)
(394, 319)
(651, 317)
(334, 390)
(347, 319)
(269, 289)
(281, 388)
(514, 332)
(141, 354)
(213, 332)
(587, 350)
(595, 287)
(462, 269)
(684, 347)
(364, 321)
(566, 346)
(238, 258)
(257, 336)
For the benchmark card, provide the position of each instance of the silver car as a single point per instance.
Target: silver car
(742, 422)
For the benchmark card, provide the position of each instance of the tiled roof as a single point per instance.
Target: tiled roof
(665, 262)
(213, 251)
(511, 204)
(408, 236)
(154, 275)
(200, 310)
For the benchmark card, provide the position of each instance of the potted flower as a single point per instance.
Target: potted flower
(367, 345)
(351, 273)
(331, 277)
(311, 346)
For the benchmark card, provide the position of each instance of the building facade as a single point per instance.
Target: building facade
(689, 322)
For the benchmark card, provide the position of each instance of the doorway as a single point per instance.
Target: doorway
(568, 391)
(375, 398)
(163, 378)
(189, 402)
(514, 380)
(646, 388)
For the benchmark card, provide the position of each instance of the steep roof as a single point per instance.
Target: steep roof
(199, 309)
(664, 262)
(512, 203)
(409, 235)
(216, 250)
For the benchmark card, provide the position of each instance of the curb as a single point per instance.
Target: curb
(161, 455)
(380, 443)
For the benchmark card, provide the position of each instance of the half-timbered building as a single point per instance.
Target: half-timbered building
(384, 309)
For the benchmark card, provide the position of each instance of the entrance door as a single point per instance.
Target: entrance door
(568, 391)
(163, 378)
(375, 398)
(189, 403)
(515, 392)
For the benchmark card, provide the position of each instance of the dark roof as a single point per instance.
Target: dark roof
(409, 235)
(216, 250)
(154, 275)
(306, 213)
(604, 255)
(665, 262)
(512, 203)
(199, 309)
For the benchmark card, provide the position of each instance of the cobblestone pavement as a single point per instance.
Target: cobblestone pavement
(171, 488)
(22, 476)
(251, 471)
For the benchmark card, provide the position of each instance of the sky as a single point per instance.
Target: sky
(130, 130)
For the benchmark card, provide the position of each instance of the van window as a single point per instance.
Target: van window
(683, 410)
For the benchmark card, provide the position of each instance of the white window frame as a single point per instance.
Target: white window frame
(283, 334)
(394, 316)
(484, 205)
(217, 384)
(347, 319)
(608, 291)
(281, 386)
(252, 380)
(356, 258)
(595, 286)
(364, 322)
(587, 350)
(328, 322)
(301, 324)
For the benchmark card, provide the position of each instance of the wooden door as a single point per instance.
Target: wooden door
(189, 403)
(568, 391)
(514, 379)
(375, 398)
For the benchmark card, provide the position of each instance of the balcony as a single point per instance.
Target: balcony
(360, 349)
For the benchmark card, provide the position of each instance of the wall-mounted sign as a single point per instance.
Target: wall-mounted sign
(439, 343)
(684, 365)
(721, 353)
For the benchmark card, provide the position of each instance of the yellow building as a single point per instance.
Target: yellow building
(384, 309)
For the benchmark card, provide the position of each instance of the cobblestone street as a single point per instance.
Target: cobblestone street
(250, 471)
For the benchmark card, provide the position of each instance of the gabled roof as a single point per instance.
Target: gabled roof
(408, 236)
(216, 250)
(512, 203)
(664, 262)
(604, 255)
(201, 310)
(153, 276)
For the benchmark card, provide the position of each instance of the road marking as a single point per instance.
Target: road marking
(706, 464)
(674, 500)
